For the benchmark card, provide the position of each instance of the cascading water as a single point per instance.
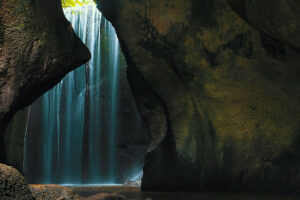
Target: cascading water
(79, 118)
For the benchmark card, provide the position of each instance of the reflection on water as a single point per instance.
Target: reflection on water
(197, 196)
(133, 193)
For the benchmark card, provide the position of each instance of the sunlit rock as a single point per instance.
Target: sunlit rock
(52, 192)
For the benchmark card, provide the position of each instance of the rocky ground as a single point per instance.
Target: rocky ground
(56, 192)
(51, 192)
(106, 196)
(13, 185)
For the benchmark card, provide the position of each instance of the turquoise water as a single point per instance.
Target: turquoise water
(73, 146)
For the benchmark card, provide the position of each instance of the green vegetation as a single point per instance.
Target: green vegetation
(73, 3)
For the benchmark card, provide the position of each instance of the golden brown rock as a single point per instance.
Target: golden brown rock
(228, 85)
(53, 192)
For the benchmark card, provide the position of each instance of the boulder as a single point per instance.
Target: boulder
(53, 192)
(13, 185)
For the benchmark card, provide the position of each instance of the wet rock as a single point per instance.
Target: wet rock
(13, 185)
(106, 196)
(53, 192)
(137, 182)
(14, 139)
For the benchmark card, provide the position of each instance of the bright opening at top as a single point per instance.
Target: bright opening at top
(76, 3)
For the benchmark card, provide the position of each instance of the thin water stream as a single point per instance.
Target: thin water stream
(72, 130)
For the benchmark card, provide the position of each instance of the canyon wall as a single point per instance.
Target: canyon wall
(37, 48)
(216, 81)
(225, 77)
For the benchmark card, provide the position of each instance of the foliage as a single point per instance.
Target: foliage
(73, 3)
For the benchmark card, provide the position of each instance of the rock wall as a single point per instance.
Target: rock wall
(14, 139)
(225, 79)
(37, 48)
(218, 83)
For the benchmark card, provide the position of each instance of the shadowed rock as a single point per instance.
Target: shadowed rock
(223, 82)
(226, 77)
(37, 48)
(13, 185)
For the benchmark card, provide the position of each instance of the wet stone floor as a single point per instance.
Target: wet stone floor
(134, 193)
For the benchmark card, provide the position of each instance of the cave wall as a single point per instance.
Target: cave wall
(225, 79)
(14, 139)
(37, 48)
(222, 79)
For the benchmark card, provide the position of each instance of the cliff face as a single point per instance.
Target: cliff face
(224, 77)
(216, 81)
(279, 19)
(37, 48)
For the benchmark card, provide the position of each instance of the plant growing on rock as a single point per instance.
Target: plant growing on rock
(74, 3)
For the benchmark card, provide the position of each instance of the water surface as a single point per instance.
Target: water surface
(134, 193)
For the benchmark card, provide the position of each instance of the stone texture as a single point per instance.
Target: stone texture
(53, 192)
(279, 19)
(14, 139)
(13, 185)
(131, 133)
(106, 196)
(222, 81)
(37, 48)
(226, 79)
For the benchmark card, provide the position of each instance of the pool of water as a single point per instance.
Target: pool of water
(134, 193)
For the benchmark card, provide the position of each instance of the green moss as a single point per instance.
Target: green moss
(73, 3)
(21, 26)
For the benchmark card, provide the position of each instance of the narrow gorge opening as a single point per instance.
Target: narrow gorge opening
(87, 129)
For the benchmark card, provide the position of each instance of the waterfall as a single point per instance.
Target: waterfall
(79, 117)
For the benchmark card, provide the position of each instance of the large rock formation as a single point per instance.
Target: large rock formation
(13, 185)
(278, 19)
(225, 77)
(217, 82)
(37, 48)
